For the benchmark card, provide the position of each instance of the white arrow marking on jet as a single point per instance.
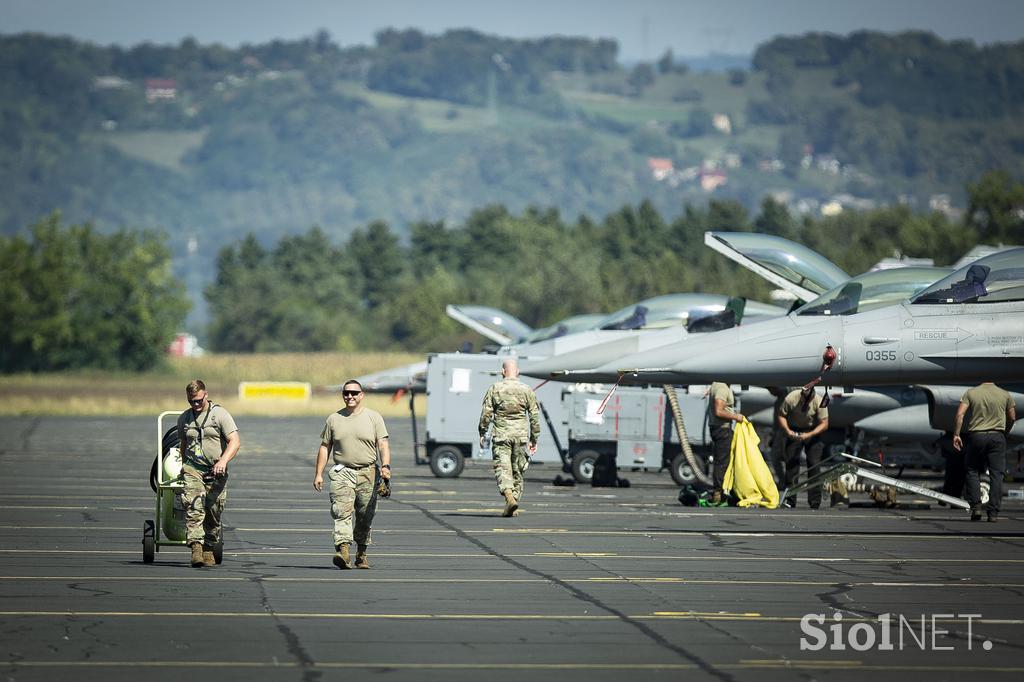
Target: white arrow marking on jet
(956, 335)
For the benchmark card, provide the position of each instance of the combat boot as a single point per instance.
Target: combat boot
(361, 561)
(341, 556)
(975, 513)
(510, 503)
(208, 558)
(197, 555)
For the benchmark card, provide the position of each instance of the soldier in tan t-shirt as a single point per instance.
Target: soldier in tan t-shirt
(802, 419)
(353, 436)
(721, 414)
(990, 414)
(208, 439)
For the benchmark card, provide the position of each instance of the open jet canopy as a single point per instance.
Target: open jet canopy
(497, 325)
(790, 266)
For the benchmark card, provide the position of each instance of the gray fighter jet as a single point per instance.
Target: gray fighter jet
(674, 313)
(857, 295)
(966, 327)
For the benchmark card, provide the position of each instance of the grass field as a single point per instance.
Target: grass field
(112, 393)
(161, 147)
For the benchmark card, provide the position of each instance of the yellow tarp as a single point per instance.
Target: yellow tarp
(748, 475)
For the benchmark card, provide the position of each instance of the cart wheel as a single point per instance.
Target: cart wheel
(148, 542)
(218, 553)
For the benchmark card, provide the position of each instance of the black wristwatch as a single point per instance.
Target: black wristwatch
(385, 466)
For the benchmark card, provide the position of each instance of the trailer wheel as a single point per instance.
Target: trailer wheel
(583, 463)
(447, 461)
(218, 552)
(148, 541)
(681, 471)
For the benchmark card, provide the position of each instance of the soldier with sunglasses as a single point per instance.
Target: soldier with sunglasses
(208, 439)
(354, 436)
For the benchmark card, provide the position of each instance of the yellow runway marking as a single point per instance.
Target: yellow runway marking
(576, 554)
(667, 615)
(173, 549)
(743, 664)
(624, 580)
(563, 531)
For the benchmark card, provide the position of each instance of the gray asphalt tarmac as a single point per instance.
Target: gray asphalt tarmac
(594, 584)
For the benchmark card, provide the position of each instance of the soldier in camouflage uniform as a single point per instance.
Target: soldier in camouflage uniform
(512, 407)
(208, 439)
(355, 437)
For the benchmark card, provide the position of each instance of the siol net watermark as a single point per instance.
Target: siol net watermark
(889, 632)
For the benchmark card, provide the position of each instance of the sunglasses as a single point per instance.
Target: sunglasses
(196, 401)
(349, 394)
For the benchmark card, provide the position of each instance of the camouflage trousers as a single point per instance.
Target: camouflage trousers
(510, 459)
(353, 494)
(204, 506)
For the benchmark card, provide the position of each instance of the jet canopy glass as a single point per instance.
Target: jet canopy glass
(993, 279)
(791, 261)
(872, 290)
(673, 310)
(491, 322)
(570, 325)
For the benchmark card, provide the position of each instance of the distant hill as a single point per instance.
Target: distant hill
(212, 143)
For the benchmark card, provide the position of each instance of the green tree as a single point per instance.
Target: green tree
(71, 297)
(995, 210)
(641, 77)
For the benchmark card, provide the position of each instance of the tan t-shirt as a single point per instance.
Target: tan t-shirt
(352, 439)
(986, 407)
(204, 436)
(800, 418)
(720, 391)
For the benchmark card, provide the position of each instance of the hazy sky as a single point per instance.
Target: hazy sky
(643, 28)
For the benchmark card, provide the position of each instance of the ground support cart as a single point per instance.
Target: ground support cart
(168, 527)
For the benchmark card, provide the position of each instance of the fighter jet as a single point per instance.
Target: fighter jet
(858, 295)
(968, 326)
(928, 421)
(672, 312)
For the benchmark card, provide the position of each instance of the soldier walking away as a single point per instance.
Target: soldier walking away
(721, 414)
(803, 419)
(209, 440)
(354, 436)
(512, 408)
(990, 414)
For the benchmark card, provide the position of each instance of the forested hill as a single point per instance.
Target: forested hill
(276, 137)
(320, 196)
(212, 143)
